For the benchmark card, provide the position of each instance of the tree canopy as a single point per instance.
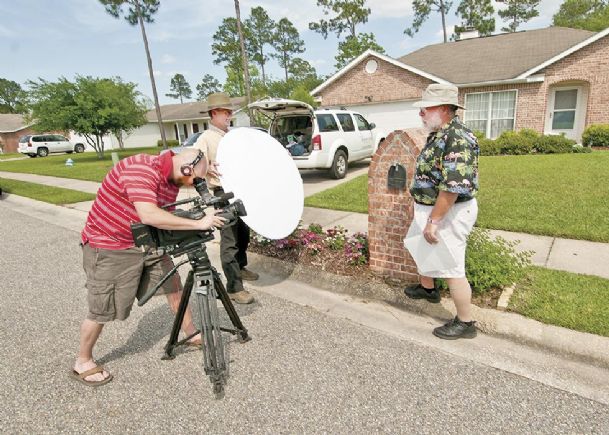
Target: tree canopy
(12, 97)
(91, 107)
(346, 15)
(179, 88)
(261, 29)
(422, 9)
(287, 43)
(208, 85)
(518, 12)
(476, 14)
(590, 15)
(352, 47)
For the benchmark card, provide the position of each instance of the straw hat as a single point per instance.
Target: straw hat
(218, 100)
(438, 94)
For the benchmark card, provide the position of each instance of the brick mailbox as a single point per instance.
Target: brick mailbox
(390, 210)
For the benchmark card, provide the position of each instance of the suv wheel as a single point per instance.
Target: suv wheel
(339, 165)
(79, 148)
(43, 152)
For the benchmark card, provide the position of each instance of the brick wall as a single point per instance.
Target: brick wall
(390, 211)
(387, 83)
(9, 142)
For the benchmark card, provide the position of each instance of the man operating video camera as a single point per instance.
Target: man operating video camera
(118, 272)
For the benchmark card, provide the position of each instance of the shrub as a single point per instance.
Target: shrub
(596, 136)
(554, 144)
(170, 143)
(493, 263)
(511, 142)
(488, 147)
(479, 134)
(579, 149)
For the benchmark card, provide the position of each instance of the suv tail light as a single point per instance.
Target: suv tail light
(316, 142)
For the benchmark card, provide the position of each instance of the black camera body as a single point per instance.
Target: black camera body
(178, 242)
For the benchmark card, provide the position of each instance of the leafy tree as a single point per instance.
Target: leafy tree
(347, 14)
(179, 88)
(352, 47)
(234, 85)
(139, 11)
(208, 85)
(260, 28)
(12, 97)
(422, 9)
(91, 107)
(287, 43)
(301, 70)
(518, 12)
(300, 93)
(477, 14)
(227, 48)
(244, 54)
(590, 15)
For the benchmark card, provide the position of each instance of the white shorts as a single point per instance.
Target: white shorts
(449, 255)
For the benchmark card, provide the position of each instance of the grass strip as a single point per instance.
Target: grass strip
(558, 195)
(50, 194)
(570, 300)
(10, 156)
(86, 165)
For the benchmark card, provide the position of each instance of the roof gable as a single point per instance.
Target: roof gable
(499, 57)
(10, 123)
(186, 111)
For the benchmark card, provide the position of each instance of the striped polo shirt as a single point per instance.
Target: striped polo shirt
(139, 178)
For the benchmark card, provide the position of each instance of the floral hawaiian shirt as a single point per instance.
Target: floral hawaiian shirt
(449, 162)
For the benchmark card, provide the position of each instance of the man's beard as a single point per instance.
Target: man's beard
(433, 122)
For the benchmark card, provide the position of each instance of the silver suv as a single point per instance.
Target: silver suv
(331, 138)
(42, 145)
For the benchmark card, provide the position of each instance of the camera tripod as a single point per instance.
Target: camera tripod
(205, 280)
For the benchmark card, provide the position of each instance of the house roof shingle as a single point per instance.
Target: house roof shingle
(186, 111)
(10, 123)
(497, 57)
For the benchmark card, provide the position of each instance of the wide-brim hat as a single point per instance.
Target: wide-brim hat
(438, 94)
(218, 100)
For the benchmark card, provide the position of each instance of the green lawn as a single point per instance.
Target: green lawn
(565, 299)
(86, 165)
(563, 195)
(10, 156)
(50, 194)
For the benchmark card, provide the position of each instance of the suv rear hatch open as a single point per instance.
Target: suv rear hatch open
(291, 121)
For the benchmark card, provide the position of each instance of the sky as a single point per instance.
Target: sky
(49, 39)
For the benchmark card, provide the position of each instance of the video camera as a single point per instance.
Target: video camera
(178, 242)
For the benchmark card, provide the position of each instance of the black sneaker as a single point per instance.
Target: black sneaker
(455, 329)
(420, 292)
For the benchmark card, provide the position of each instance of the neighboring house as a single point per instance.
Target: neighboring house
(179, 122)
(12, 127)
(553, 80)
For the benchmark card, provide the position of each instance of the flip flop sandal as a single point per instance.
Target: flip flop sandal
(80, 377)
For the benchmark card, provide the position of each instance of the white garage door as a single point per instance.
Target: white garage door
(390, 116)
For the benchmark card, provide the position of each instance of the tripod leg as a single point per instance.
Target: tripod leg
(213, 346)
(229, 307)
(177, 322)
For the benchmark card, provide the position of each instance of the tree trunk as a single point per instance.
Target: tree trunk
(443, 12)
(285, 64)
(246, 72)
(262, 67)
(151, 72)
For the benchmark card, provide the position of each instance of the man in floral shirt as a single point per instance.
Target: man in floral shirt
(445, 210)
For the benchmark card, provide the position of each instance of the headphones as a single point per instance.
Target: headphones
(188, 168)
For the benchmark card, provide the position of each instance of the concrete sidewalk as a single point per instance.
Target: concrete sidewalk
(577, 256)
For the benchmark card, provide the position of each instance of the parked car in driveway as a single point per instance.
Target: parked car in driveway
(331, 138)
(41, 145)
(190, 141)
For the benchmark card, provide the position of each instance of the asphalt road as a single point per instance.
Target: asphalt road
(303, 372)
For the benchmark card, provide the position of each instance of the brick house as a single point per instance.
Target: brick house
(553, 80)
(12, 127)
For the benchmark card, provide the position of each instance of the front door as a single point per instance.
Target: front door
(566, 112)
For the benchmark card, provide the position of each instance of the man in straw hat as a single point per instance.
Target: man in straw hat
(235, 237)
(445, 210)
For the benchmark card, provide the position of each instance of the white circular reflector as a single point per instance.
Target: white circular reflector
(261, 173)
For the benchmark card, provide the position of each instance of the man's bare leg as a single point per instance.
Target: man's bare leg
(426, 281)
(89, 333)
(461, 294)
(187, 325)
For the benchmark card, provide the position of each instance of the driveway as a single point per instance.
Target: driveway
(316, 180)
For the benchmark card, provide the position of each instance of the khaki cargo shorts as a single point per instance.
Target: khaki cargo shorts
(116, 277)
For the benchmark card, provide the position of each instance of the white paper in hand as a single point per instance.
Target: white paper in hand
(260, 172)
(429, 257)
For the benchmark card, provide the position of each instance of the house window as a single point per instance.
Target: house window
(490, 112)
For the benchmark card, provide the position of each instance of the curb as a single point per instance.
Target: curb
(589, 348)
